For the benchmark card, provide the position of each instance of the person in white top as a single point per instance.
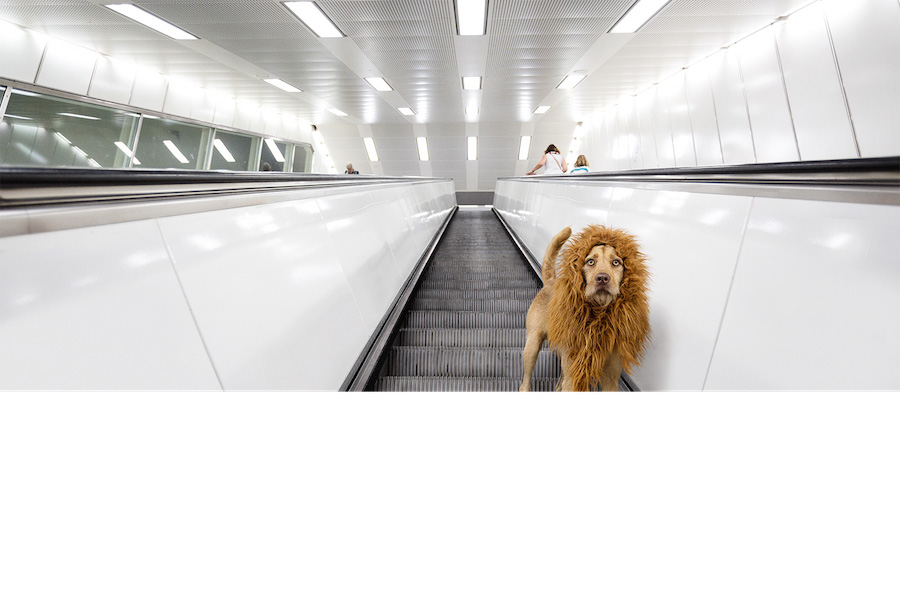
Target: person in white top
(552, 161)
(581, 166)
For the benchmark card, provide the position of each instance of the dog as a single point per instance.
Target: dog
(593, 309)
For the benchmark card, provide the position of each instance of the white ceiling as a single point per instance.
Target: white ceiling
(530, 46)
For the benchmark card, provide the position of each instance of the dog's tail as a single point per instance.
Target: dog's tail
(548, 267)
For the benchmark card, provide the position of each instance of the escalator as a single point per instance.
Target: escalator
(464, 327)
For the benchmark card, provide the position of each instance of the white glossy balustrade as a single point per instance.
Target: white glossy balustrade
(277, 295)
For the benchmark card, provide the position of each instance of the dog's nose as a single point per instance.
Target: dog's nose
(602, 279)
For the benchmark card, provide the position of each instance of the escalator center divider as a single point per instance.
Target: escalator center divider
(464, 326)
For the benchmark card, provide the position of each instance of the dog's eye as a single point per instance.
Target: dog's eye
(616, 262)
(590, 262)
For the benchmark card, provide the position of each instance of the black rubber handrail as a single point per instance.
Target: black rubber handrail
(27, 186)
(883, 171)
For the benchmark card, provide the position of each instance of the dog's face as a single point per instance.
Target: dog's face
(603, 270)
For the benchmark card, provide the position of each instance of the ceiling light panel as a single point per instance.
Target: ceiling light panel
(471, 82)
(641, 12)
(570, 81)
(471, 17)
(138, 14)
(370, 149)
(282, 85)
(379, 84)
(316, 20)
(472, 148)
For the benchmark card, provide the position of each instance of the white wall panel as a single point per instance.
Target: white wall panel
(180, 97)
(629, 134)
(813, 304)
(67, 67)
(113, 80)
(608, 158)
(243, 115)
(74, 313)
(770, 116)
(647, 135)
(866, 40)
(204, 106)
(149, 90)
(21, 50)
(704, 125)
(662, 128)
(680, 120)
(731, 108)
(225, 111)
(818, 110)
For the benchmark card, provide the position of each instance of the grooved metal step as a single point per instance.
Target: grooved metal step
(464, 328)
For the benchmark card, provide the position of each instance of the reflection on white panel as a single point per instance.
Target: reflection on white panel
(703, 115)
(770, 116)
(868, 52)
(112, 80)
(21, 50)
(680, 119)
(813, 305)
(817, 102)
(74, 313)
(731, 108)
(67, 67)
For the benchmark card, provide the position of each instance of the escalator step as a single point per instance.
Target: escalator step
(467, 362)
(459, 384)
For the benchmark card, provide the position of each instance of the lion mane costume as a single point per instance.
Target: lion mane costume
(591, 334)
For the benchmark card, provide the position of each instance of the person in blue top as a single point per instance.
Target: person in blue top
(581, 166)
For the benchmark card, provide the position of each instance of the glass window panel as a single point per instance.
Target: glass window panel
(231, 151)
(302, 158)
(273, 153)
(170, 144)
(42, 130)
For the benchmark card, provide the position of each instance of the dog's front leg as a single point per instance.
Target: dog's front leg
(565, 376)
(612, 369)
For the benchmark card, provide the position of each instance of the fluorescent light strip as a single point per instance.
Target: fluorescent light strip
(422, 144)
(406, 111)
(471, 82)
(570, 81)
(524, 146)
(471, 17)
(282, 85)
(152, 21)
(379, 84)
(370, 149)
(175, 151)
(542, 109)
(313, 17)
(270, 143)
(472, 148)
(641, 12)
(337, 112)
(223, 150)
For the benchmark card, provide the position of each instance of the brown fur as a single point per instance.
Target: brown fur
(599, 327)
